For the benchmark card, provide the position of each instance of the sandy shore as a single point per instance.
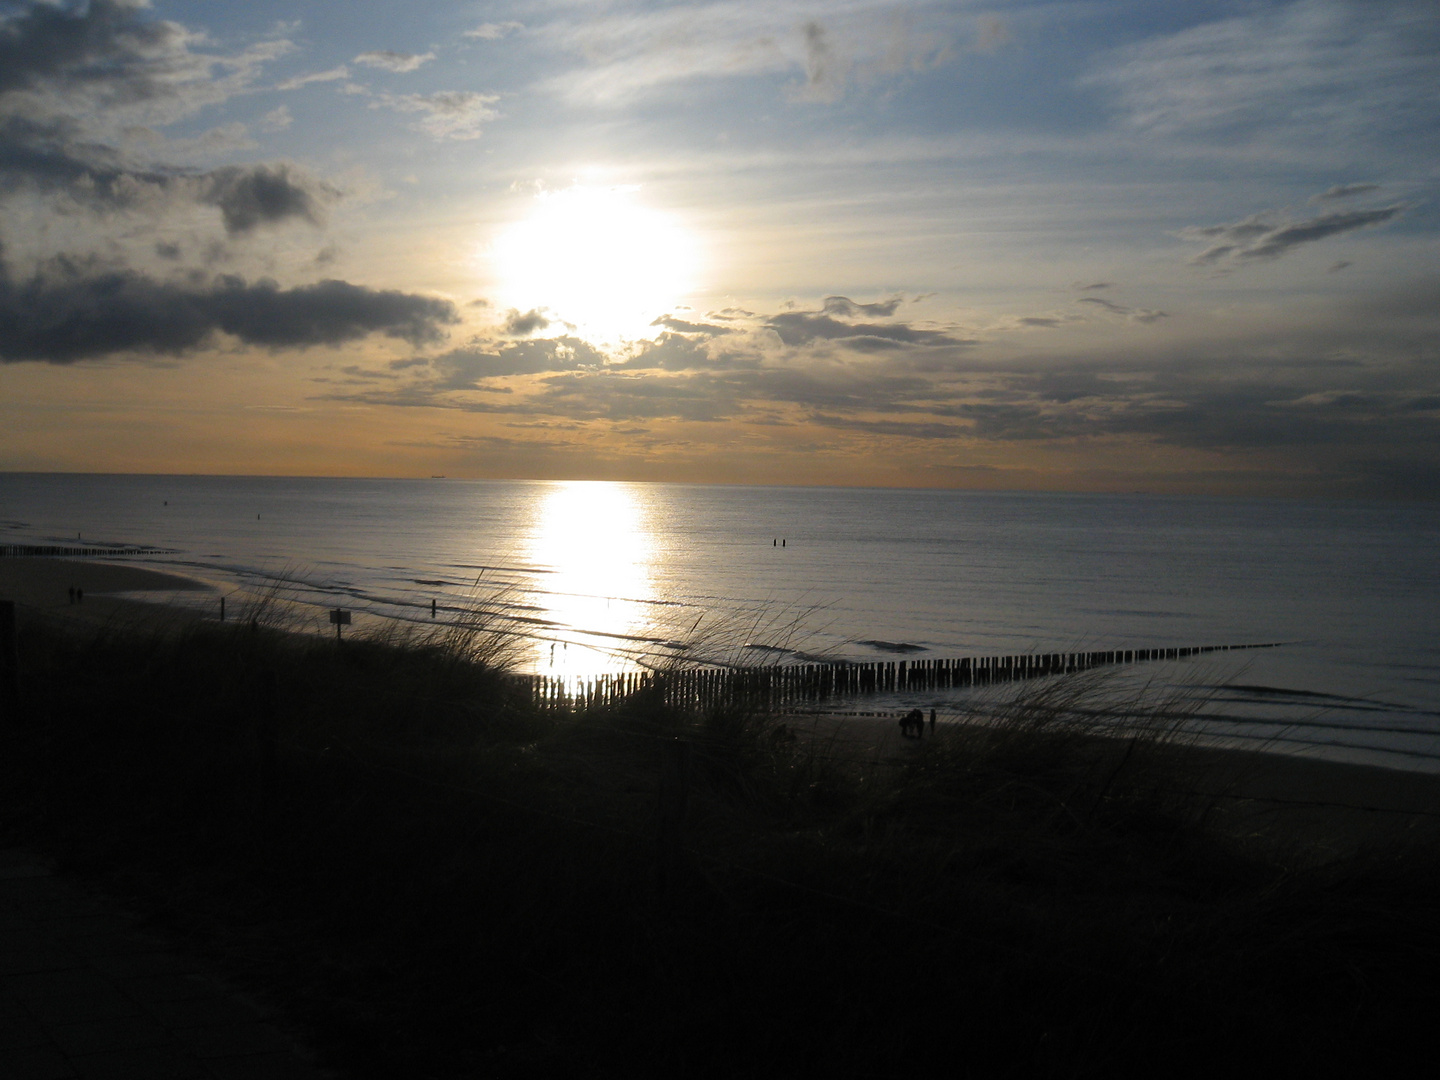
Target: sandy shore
(1316, 808)
(42, 585)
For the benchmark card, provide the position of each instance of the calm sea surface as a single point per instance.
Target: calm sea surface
(594, 577)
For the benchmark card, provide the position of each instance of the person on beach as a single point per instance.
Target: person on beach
(79, 596)
(72, 594)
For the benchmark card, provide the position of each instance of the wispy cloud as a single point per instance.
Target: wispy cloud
(825, 52)
(1258, 237)
(446, 114)
(492, 31)
(1322, 71)
(397, 62)
(1343, 191)
(1139, 315)
(334, 74)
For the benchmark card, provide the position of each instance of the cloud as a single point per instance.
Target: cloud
(628, 50)
(905, 429)
(991, 33)
(76, 310)
(113, 56)
(254, 195)
(1328, 73)
(825, 73)
(76, 80)
(520, 324)
(449, 114)
(396, 62)
(332, 75)
(107, 49)
(804, 327)
(847, 308)
(1344, 191)
(681, 326)
(1256, 238)
(465, 368)
(1139, 315)
(493, 31)
(277, 119)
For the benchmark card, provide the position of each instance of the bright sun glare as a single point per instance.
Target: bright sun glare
(598, 258)
(593, 540)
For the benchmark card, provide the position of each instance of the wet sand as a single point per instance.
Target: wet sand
(41, 585)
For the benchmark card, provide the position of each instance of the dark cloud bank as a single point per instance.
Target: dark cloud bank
(64, 65)
(73, 312)
(73, 74)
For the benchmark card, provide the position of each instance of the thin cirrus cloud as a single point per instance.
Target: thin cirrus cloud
(397, 62)
(491, 31)
(823, 53)
(446, 114)
(1329, 72)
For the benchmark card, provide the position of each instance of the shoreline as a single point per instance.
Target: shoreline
(1329, 806)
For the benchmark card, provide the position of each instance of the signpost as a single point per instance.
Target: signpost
(339, 617)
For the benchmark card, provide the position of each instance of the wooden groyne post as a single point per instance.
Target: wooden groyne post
(791, 684)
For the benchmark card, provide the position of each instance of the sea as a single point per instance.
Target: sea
(584, 578)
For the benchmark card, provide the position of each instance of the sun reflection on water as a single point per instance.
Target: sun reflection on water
(595, 550)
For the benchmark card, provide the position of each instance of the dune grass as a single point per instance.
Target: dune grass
(436, 880)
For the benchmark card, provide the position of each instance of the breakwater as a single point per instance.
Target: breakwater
(779, 685)
(73, 551)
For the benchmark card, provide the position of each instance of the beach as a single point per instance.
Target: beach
(1330, 808)
(42, 585)
(342, 824)
(1276, 801)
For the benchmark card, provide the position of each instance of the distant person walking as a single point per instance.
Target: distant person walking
(72, 593)
(912, 724)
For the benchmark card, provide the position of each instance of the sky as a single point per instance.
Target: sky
(1080, 245)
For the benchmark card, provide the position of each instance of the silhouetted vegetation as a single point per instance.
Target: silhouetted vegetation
(437, 880)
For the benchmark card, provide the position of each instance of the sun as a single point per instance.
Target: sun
(597, 258)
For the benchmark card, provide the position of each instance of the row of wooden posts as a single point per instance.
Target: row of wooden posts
(792, 684)
(21, 551)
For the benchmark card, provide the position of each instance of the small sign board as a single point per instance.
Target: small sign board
(339, 617)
